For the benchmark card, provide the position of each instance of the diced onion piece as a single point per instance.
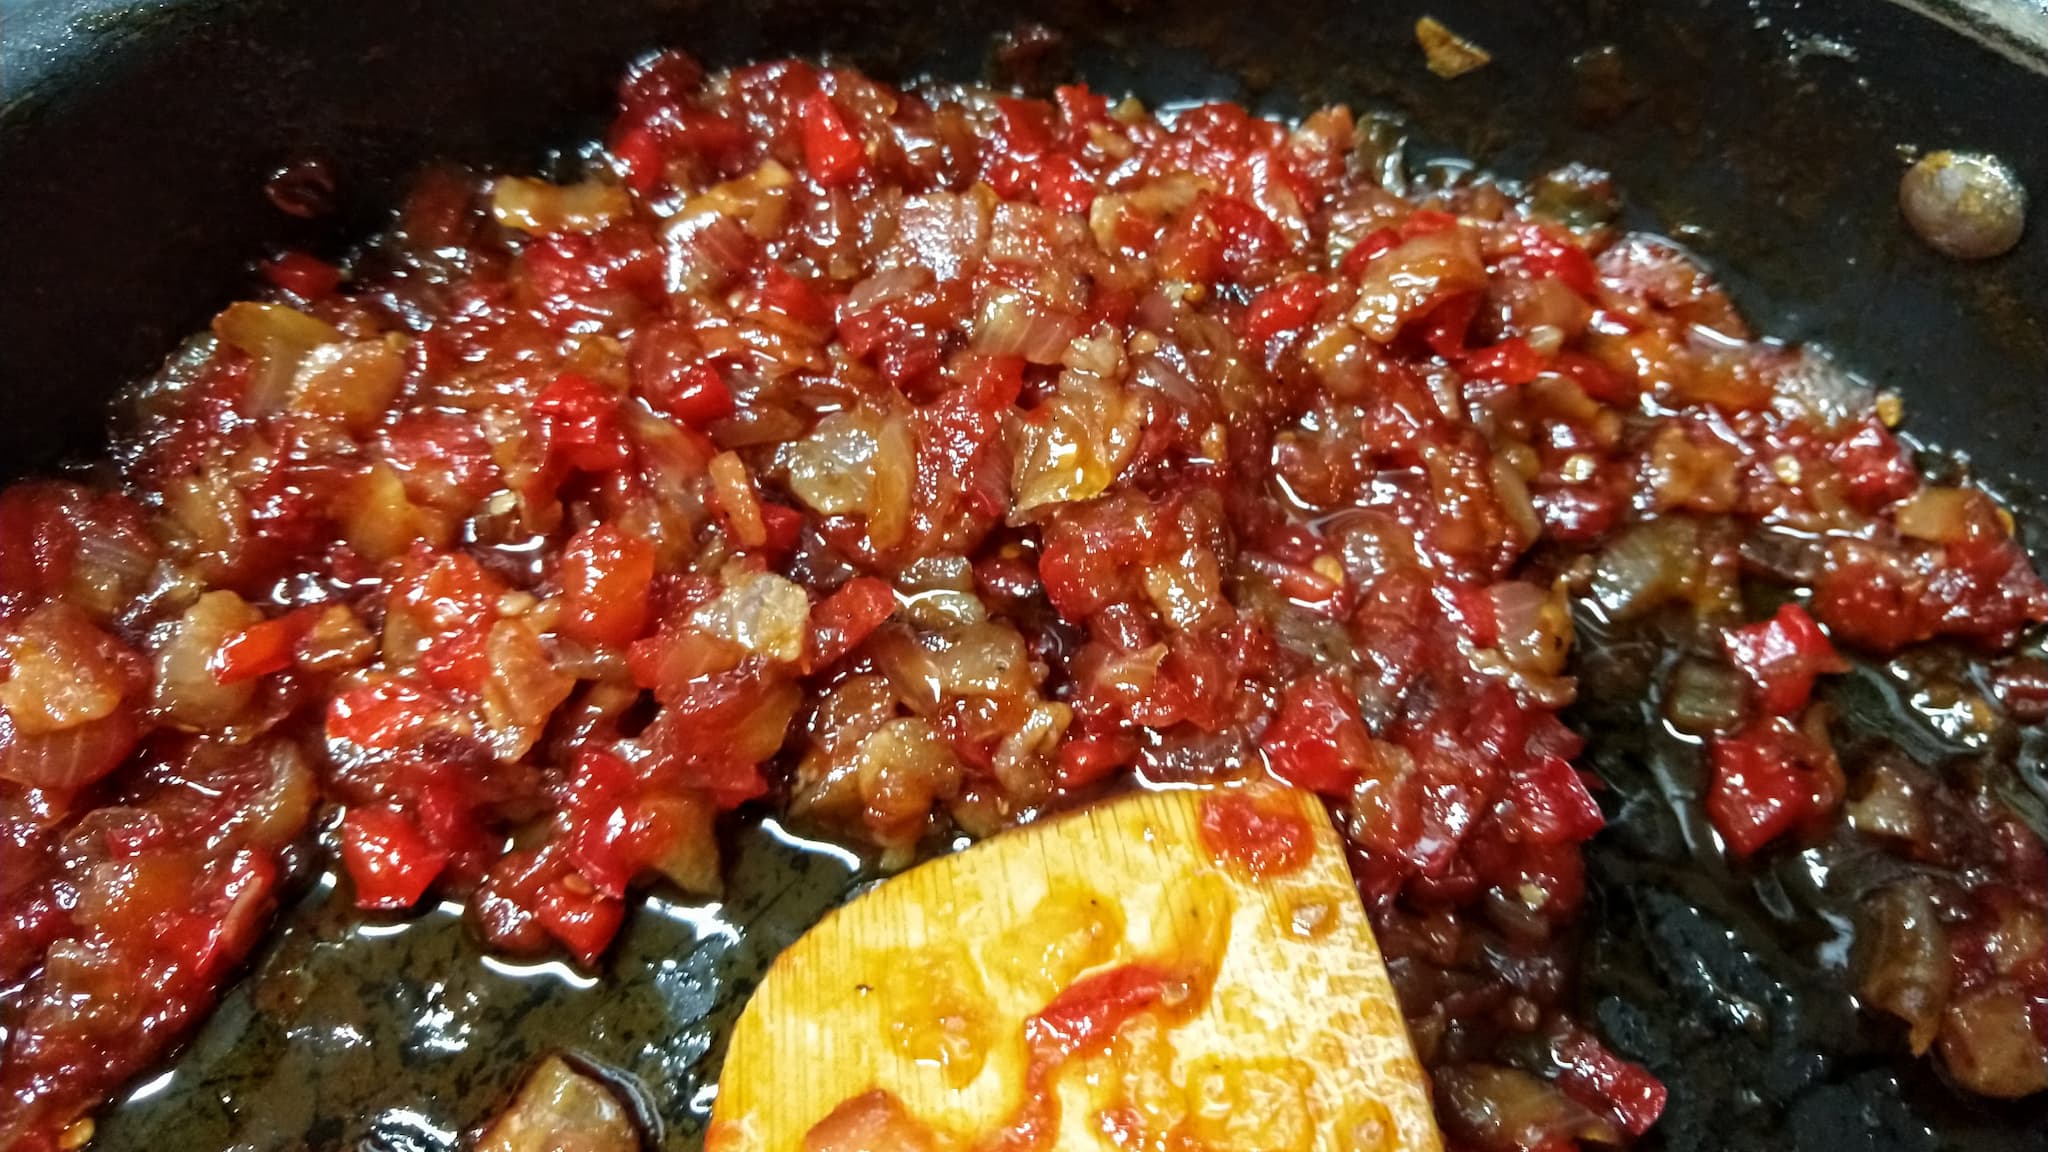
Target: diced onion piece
(187, 694)
(353, 382)
(903, 769)
(560, 1108)
(540, 207)
(1402, 284)
(1072, 447)
(1946, 515)
(1015, 324)
(64, 672)
(690, 859)
(523, 688)
(832, 469)
(1497, 1109)
(1910, 971)
(761, 613)
(1989, 1045)
(277, 340)
(1448, 54)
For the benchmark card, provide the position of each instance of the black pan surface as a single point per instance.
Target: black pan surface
(134, 139)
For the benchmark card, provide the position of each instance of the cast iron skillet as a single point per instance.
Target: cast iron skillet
(134, 139)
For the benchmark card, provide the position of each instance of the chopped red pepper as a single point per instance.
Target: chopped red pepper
(1767, 781)
(831, 151)
(1284, 307)
(260, 649)
(390, 864)
(845, 618)
(1782, 656)
(1317, 741)
(1553, 805)
(1511, 361)
(305, 276)
(580, 421)
(606, 577)
(583, 922)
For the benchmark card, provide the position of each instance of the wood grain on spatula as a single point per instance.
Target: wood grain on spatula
(1185, 970)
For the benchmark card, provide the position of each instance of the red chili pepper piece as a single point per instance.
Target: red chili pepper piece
(583, 922)
(1553, 803)
(1767, 781)
(1091, 1010)
(1377, 242)
(1511, 361)
(260, 649)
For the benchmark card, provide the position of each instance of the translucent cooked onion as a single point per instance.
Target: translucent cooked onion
(523, 688)
(1402, 284)
(559, 1108)
(279, 810)
(1498, 1109)
(690, 859)
(1908, 971)
(1945, 515)
(352, 382)
(761, 613)
(833, 469)
(69, 759)
(1075, 444)
(63, 671)
(903, 769)
(1988, 1043)
(540, 207)
(277, 340)
(886, 287)
(1534, 624)
(1015, 324)
(187, 694)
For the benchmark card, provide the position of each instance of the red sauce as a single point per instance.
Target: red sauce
(918, 461)
(1263, 841)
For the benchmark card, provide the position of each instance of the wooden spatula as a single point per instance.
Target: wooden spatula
(1185, 970)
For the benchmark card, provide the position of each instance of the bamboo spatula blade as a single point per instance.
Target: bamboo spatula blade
(1183, 969)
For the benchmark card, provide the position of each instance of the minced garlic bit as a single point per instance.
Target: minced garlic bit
(1450, 55)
